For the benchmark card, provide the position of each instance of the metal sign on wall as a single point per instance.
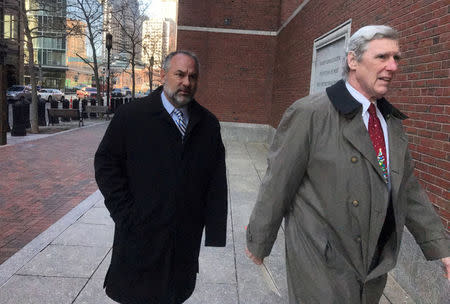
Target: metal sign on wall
(328, 57)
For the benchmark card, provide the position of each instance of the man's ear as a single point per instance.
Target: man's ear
(162, 74)
(352, 62)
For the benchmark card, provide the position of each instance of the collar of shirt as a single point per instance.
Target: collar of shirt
(169, 108)
(359, 98)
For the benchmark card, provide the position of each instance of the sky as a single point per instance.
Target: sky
(159, 8)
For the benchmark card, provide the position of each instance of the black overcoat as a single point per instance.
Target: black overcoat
(161, 192)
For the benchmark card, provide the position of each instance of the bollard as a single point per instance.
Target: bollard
(54, 105)
(93, 103)
(76, 103)
(70, 105)
(19, 123)
(41, 112)
(65, 105)
(83, 108)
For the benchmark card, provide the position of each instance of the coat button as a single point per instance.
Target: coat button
(358, 239)
(354, 159)
(355, 203)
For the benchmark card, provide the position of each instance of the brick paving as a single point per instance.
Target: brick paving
(41, 180)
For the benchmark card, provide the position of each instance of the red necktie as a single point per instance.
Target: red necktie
(377, 137)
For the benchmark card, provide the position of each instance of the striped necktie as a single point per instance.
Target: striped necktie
(180, 122)
(377, 137)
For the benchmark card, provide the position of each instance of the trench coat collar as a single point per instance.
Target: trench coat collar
(157, 107)
(348, 106)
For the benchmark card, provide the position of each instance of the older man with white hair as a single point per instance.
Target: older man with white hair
(341, 175)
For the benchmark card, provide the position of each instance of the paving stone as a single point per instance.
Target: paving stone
(100, 273)
(86, 235)
(40, 290)
(93, 293)
(239, 166)
(42, 180)
(214, 294)
(217, 270)
(253, 289)
(98, 216)
(65, 261)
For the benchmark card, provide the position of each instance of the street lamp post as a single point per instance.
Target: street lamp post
(108, 47)
(152, 60)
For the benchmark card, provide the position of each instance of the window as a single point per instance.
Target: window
(9, 27)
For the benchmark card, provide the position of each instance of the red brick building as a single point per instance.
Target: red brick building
(256, 59)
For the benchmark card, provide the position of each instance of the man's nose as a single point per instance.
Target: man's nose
(392, 65)
(186, 82)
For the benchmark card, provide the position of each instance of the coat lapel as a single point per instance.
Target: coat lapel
(398, 145)
(356, 133)
(194, 118)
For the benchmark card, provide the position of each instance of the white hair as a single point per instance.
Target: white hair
(360, 39)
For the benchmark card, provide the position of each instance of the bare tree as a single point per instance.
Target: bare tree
(149, 47)
(129, 16)
(34, 28)
(87, 20)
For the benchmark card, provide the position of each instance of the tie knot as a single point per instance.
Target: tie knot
(178, 113)
(372, 110)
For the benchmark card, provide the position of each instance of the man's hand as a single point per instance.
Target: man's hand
(259, 261)
(446, 262)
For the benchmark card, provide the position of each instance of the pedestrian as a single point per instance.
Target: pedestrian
(161, 169)
(341, 175)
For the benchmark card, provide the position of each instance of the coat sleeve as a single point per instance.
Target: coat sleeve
(422, 220)
(216, 200)
(110, 172)
(287, 162)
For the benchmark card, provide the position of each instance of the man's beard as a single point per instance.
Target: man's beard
(179, 100)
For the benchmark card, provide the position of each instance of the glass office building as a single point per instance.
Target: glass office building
(49, 27)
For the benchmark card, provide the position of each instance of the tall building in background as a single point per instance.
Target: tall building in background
(47, 20)
(11, 37)
(78, 72)
(119, 33)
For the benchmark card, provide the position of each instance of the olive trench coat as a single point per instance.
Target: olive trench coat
(161, 192)
(324, 180)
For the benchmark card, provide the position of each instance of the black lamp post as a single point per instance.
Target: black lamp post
(152, 60)
(108, 47)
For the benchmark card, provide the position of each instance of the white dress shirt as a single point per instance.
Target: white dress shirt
(169, 108)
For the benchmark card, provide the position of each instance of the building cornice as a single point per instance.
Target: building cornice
(245, 32)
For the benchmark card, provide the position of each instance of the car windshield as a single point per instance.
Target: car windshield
(14, 89)
(91, 89)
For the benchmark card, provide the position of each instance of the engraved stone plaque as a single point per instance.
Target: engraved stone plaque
(328, 58)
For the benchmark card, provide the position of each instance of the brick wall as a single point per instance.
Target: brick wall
(248, 78)
(241, 14)
(235, 74)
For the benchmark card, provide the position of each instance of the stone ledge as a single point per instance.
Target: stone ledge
(246, 132)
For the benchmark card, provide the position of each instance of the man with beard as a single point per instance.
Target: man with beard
(161, 169)
(341, 175)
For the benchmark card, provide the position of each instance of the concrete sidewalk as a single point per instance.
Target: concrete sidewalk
(67, 263)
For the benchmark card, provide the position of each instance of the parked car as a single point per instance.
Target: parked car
(117, 93)
(18, 92)
(51, 94)
(127, 91)
(87, 93)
